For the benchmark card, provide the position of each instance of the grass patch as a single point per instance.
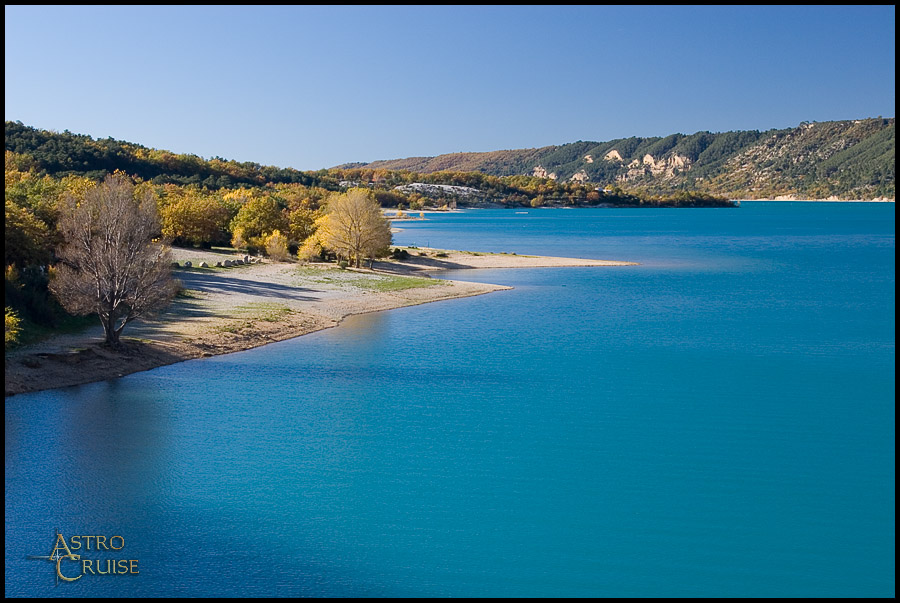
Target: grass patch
(390, 282)
(265, 311)
(189, 294)
(331, 274)
(233, 327)
(366, 282)
(247, 315)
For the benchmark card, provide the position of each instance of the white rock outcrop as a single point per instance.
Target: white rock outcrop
(665, 168)
(580, 176)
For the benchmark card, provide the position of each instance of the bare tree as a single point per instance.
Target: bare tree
(354, 225)
(109, 263)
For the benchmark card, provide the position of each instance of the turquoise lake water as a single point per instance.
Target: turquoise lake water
(718, 421)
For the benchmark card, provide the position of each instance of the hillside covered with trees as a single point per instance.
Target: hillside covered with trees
(852, 159)
(67, 155)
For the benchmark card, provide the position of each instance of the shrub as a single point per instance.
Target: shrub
(310, 250)
(237, 239)
(13, 327)
(276, 246)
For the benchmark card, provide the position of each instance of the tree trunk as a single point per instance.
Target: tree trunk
(109, 330)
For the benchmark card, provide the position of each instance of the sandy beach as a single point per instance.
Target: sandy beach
(223, 310)
(425, 259)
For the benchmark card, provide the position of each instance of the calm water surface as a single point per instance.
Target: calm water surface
(716, 421)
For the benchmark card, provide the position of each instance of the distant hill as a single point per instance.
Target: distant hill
(852, 159)
(58, 155)
(65, 153)
(819, 160)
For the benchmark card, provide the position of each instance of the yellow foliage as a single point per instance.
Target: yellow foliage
(276, 246)
(78, 186)
(13, 326)
(237, 239)
(12, 276)
(354, 226)
(241, 195)
(17, 168)
(194, 218)
(310, 250)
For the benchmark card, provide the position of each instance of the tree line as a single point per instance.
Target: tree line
(256, 209)
(52, 227)
(74, 155)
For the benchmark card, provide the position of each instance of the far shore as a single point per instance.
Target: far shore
(823, 200)
(224, 310)
(413, 214)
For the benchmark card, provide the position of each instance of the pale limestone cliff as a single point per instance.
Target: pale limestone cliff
(540, 172)
(580, 176)
(663, 167)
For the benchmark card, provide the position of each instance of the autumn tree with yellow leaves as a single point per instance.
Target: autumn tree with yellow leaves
(354, 227)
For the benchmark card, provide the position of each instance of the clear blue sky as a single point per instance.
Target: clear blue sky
(312, 87)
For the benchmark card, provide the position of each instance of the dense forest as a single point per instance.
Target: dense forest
(844, 159)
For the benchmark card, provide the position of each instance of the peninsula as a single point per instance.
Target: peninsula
(222, 310)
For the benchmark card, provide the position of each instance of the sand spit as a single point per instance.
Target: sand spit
(223, 310)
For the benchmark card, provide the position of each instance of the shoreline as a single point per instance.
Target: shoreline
(226, 310)
(422, 260)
